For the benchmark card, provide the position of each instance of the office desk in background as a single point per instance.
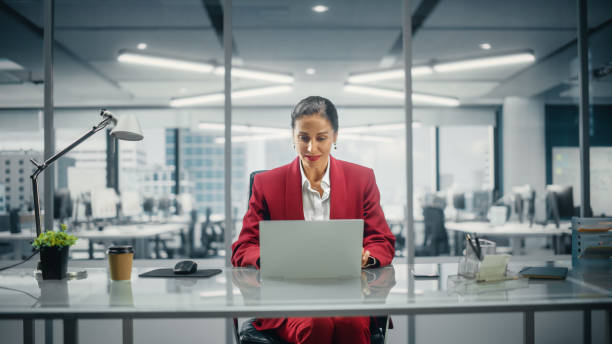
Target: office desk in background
(513, 230)
(138, 235)
(239, 292)
(18, 240)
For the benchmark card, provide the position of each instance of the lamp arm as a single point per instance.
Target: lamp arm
(40, 167)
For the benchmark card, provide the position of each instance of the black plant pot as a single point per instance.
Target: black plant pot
(54, 262)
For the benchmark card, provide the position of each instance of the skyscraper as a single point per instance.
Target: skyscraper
(203, 160)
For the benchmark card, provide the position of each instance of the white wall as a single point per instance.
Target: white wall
(524, 152)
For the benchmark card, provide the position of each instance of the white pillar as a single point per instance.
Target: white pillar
(524, 145)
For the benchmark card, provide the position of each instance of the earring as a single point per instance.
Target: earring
(335, 146)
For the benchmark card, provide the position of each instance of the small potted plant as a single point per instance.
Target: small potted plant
(54, 246)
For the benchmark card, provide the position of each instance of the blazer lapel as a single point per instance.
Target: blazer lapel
(337, 205)
(293, 192)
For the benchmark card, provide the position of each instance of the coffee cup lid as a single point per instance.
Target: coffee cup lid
(120, 249)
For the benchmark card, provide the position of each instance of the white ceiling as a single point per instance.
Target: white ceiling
(286, 36)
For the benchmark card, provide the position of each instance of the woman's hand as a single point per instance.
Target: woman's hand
(365, 255)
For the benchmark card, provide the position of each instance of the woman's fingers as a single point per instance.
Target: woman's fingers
(365, 255)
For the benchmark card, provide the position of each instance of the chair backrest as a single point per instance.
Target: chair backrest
(436, 237)
(251, 179)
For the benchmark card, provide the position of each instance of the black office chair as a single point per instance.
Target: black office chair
(250, 335)
(436, 237)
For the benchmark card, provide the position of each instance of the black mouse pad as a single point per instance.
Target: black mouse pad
(169, 273)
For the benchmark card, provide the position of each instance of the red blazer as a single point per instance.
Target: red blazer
(277, 195)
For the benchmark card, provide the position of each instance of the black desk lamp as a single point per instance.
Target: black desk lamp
(125, 128)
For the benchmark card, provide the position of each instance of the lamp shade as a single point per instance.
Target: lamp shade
(127, 128)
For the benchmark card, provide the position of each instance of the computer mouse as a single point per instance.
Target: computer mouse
(185, 267)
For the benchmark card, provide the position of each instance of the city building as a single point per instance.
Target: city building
(2, 200)
(153, 181)
(202, 159)
(15, 171)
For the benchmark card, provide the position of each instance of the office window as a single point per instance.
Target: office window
(466, 158)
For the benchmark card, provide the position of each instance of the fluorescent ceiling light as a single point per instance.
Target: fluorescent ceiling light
(257, 75)
(6, 64)
(485, 46)
(485, 62)
(369, 138)
(196, 100)
(388, 74)
(378, 127)
(141, 46)
(434, 100)
(320, 8)
(164, 62)
(250, 138)
(373, 127)
(395, 94)
(214, 97)
(241, 128)
(374, 91)
(310, 71)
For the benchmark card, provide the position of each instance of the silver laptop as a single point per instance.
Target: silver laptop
(310, 249)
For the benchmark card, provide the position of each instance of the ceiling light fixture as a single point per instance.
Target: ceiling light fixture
(485, 62)
(369, 138)
(388, 74)
(164, 62)
(141, 46)
(242, 128)
(320, 8)
(257, 75)
(6, 64)
(378, 127)
(218, 96)
(373, 127)
(250, 138)
(485, 46)
(310, 71)
(419, 98)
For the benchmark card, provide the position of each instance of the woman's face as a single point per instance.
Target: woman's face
(313, 137)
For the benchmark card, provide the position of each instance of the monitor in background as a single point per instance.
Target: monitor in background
(62, 204)
(482, 201)
(564, 195)
(459, 201)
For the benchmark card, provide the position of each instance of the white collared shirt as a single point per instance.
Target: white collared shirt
(316, 207)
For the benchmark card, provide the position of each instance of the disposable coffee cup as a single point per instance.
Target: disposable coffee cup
(120, 262)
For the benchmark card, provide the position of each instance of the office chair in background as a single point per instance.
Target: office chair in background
(436, 237)
(250, 335)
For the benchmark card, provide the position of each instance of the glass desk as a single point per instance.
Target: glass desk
(240, 292)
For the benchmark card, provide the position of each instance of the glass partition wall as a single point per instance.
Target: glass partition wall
(483, 129)
(291, 50)
(21, 97)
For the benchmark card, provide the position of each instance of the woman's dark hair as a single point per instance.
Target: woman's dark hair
(315, 105)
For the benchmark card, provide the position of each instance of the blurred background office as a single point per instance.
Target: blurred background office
(495, 131)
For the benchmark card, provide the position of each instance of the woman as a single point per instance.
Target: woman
(315, 186)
